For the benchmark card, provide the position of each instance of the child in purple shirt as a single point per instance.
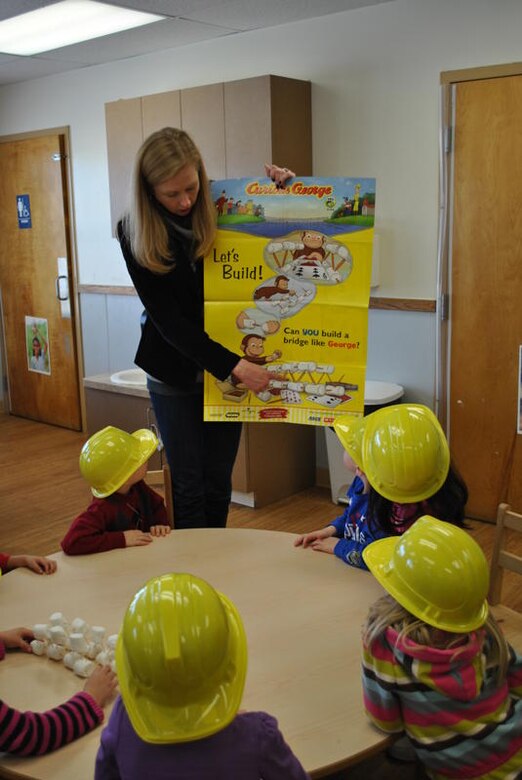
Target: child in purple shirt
(181, 661)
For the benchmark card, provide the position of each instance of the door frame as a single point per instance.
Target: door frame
(73, 281)
(449, 80)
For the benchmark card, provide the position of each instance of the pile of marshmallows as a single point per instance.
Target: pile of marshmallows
(78, 645)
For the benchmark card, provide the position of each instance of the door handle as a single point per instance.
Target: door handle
(62, 284)
(57, 282)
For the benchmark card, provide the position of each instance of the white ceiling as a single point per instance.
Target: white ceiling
(187, 21)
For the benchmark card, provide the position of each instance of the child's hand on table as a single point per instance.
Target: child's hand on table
(17, 638)
(36, 563)
(101, 685)
(325, 545)
(136, 538)
(160, 530)
(307, 540)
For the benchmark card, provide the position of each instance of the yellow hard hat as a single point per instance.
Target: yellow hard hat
(436, 571)
(181, 659)
(350, 431)
(111, 456)
(405, 453)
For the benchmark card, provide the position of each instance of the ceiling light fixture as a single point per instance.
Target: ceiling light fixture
(65, 23)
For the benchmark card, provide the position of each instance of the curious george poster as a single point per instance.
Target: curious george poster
(287, 286)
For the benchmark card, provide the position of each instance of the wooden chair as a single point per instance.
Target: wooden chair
(502, 558)
(161, 478)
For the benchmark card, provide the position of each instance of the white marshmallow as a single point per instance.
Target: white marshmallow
(79, 626)
(83, 667)
(98, 634)
(70, 659)
(57, 619)
(111, 641)
(40, 631)
(57, 635)
(104, 658)
(55, 652)
(38, 647)
(93, 648)
(78, 643)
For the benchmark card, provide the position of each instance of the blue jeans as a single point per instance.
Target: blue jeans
(201, 457)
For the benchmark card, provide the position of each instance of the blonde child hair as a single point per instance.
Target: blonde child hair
(386, 612)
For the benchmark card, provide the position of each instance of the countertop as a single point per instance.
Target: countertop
(103, 382)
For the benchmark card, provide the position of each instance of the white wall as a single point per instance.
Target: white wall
(375, 73)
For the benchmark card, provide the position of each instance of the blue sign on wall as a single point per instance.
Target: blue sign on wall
(24, 211)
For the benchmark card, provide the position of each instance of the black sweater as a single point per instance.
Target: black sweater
(174, 347)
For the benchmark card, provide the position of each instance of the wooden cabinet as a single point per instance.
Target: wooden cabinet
(127, 408)
(274, 461)
(237, 125)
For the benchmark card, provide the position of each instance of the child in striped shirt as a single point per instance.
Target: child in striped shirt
(36, 733)
(435, 663)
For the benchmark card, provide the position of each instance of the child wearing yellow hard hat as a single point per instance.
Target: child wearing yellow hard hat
(402, 464)
(125, 512)
(435, 663)
(181, 661)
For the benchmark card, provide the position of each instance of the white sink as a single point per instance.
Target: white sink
(132, 376)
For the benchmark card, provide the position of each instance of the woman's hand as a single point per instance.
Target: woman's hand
(251, 375)
(278, 175)
(17, 638)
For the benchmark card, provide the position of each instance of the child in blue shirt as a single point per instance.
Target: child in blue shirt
(402, 470)
(347, 535)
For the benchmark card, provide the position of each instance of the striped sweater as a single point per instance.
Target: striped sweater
(35, 733)
(461, 724)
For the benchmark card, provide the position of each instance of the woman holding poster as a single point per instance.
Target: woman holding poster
(167, 231)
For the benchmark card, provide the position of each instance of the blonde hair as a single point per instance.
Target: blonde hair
(386, 612)
(162, 156)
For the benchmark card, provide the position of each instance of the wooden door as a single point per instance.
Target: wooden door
(36, 280)
(486, 292)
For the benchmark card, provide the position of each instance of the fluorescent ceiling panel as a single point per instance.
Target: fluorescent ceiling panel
(65, 23)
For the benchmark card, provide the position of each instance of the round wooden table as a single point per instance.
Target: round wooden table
(302, 612)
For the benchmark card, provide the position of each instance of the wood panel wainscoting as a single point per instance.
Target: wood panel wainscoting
(390, 304)
(41, 491)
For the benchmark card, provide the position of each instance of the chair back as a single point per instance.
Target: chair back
(160, 478)
(502, 558)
